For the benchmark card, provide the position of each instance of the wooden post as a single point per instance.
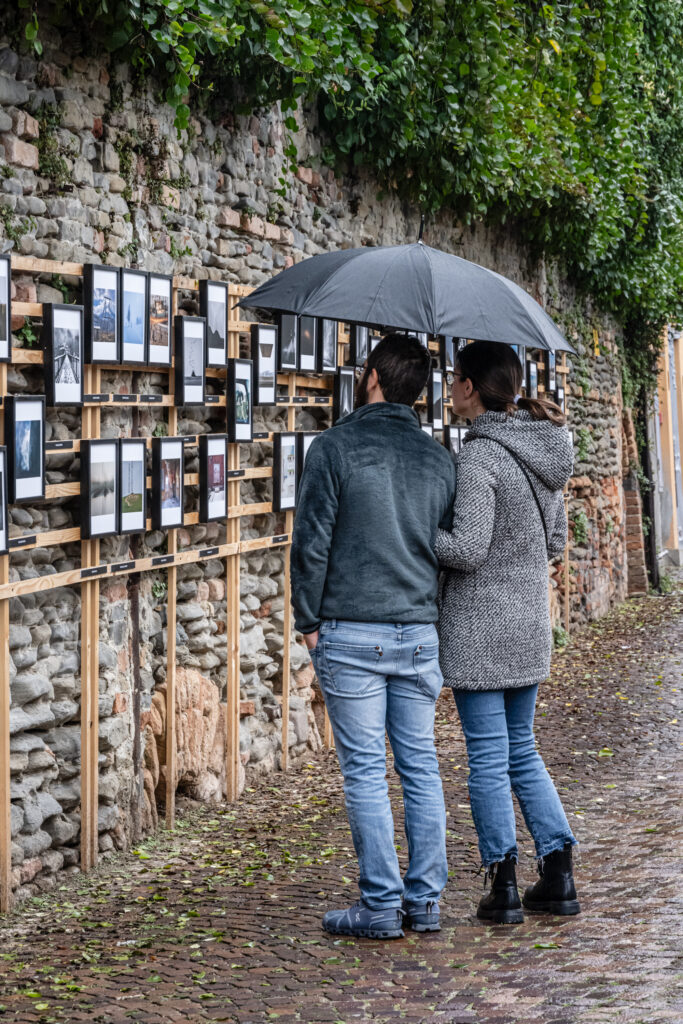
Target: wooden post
(287, 622)
(5, 779)
(171, 735)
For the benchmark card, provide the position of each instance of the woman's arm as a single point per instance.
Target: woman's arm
(466, 546)
(558, 536)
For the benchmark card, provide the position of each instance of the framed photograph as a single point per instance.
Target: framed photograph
(213, 488)
(428, 429)
(520, 352)
(447, 351)
(133, 485)
(343, 393)
(168, 483)
(374, 341)
(190, 350)
(101, 309)
(560, 399)
(63, 353)
(454, 438)
(435, 400)
(264, 358)
(328, 343)
(359, 344)
(308, 344)
(303, 443)
(159, 309)
(213, 306)
(284, 471)
(531, 379)
(133, 316)
(25, 433)
(240, 392)
(550, 371)
(5, 308)
(4, 532)
(99, 488)
(288, 339)
(422, 337)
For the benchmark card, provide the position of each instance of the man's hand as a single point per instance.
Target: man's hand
(311, 639)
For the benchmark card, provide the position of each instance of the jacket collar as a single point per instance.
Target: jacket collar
(393, 410)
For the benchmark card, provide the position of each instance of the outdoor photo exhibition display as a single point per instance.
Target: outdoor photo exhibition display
(62, 340)
(5, 309)
(213, 306)
(304, 438)
(435, 400)
(550, 371)
(168, 488)
(25, 433)
(99, 488)
(343, 393)
(328, 338)
(101, 307)
(4, 533)
(134, 317)
(190, 351)
(213, 465)
(239, 399)
(308, 344)
(447, 352)
(532, 379)
(284, 471)
(159, 309)
(264, 358)
(359, 344)
(132, 485)
(288, 338)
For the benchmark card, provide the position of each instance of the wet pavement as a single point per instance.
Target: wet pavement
(220, 921)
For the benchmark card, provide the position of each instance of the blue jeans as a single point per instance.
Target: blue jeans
(382, 678)
(501, 750)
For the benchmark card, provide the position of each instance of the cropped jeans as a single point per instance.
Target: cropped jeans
(378, 679)
(501, 750)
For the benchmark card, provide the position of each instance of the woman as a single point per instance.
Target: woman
(494, 629)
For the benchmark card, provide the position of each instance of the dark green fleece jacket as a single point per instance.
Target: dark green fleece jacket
(374, 490)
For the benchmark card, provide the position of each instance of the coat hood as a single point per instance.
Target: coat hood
(544, 448)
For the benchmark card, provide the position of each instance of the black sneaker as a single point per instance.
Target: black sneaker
(366, 923)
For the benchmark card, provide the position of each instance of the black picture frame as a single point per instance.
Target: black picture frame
(447, 352)
(285, 473)
(214, 307)
(63, 355)
(359, 344)
(168, 483)
(4, 526)
(328, 345)
(5, 308)
(343, 392)
(550, 371)
(190, 353)
(240, 400)
(454, 437)
(133, 316)
(288, 342)
(264, 344)
(159, 314)
(304, 438)
(26, 447)
(102, 313)
(435, 399)
(132, 485)
(213, 477)
(308, 344)
(100, 490)
(560, 399)
(532, 379)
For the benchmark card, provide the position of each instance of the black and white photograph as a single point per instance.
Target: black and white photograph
(304, 439)
(190, 352)
(284, 471)
(159, 310)
(460, 343)
(133, 316)
(550, 371)
(435, 400)
(374, 341)
(343, 393)
(167, 483)
(328, 342)
(239, 399)
(25, 433)
(453, 438)
(447, 351)
(308, 344)
(213, 306)
(531, 379)
(359, 344)
(213, 490)
(422, 337)
(132, 485)
(62, 337)
(560, 399)
(288, 342)
(99, 488)
(428, 429)
(520, 352)
(5, 309)
(101, 311)
(4, 533)
(264, 358)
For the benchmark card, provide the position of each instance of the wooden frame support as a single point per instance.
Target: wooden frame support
(287, 621)
(5, 780)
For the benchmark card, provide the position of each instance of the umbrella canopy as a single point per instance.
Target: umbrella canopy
(413, 287)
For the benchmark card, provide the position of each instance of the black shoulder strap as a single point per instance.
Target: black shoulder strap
(528, 478)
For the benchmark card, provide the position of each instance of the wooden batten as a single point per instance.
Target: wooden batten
(5, 700)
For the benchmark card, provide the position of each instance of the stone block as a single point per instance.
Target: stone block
(29, 686)
(25, 126)
(19, 153)
(33, 845)
(113, 732)
(12, 93)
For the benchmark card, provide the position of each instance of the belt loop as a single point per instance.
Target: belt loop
(332, 623)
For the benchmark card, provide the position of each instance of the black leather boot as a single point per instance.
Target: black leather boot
(501, 905)
(554, 892)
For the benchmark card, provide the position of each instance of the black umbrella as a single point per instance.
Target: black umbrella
(413, 287)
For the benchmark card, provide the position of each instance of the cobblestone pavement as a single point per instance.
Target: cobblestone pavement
(219, 921)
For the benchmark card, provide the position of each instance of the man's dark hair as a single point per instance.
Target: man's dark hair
(403, 364)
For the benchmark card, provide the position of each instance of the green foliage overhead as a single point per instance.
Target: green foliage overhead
(566, 117)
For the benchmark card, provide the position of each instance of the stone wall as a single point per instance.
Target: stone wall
(94, 171)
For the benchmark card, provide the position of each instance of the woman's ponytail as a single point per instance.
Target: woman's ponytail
(542, 409)
(496, 374)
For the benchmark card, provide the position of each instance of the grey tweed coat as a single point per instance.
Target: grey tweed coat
(494, 625)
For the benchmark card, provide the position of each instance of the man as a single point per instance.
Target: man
(364, 582)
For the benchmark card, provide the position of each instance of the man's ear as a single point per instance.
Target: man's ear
(373, 380)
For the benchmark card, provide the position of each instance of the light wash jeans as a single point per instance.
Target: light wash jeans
(501, 750)
(377, 678)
